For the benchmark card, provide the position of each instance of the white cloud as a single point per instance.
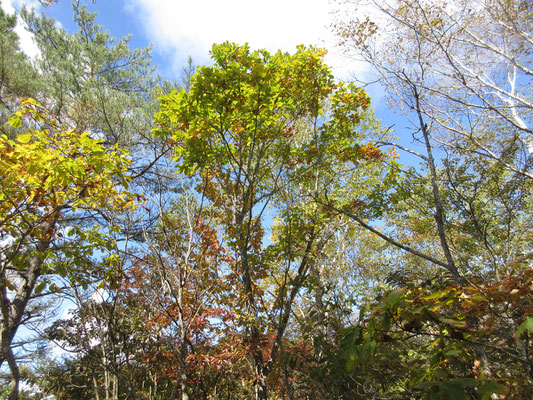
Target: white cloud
(99, 295)
(27, 44)
(181, 28)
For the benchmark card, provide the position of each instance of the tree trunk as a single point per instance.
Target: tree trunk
(183, 366)
(12, 311)
(15, 373)
(439, 209)
(440, 218)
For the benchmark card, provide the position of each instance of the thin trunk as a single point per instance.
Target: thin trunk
(440, 218)
(254, 340)
(183, 350)
(106, 373)
(321, 311)
(288, 384)
(253, 335)
(95, 388)
(439, 209)
(15, 373)
(12, 311)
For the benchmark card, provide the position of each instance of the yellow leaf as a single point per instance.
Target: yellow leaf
(24, 138)
(15, 121)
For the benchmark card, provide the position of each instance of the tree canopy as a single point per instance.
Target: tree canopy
(255, 231)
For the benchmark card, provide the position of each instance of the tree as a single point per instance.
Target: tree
(468, 61)
(180, 283)
(18, 78)
(51, 176)
(90, 81)
(430, 328)
(95, 82)
(107, 342)
(166, 330)
(261, 132)
(460, 74)
(470, 106)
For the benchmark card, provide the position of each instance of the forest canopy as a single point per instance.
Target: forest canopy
(254, 231)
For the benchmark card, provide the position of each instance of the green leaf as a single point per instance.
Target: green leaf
(426, 385)
(10, 285)
(465, 382)
(452, 322)
(439, 373)
(527, 324)
(488, 388)
(452, 390)
(39, 288)
(438, 294)
(61, 270)
(394, 297)
(453, 353)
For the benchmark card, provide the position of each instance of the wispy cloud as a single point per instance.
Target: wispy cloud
(179, 28)
(27, 44)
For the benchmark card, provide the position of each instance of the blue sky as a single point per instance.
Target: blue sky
(178, 29)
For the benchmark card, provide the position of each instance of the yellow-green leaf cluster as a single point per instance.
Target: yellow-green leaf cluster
(46, 170)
